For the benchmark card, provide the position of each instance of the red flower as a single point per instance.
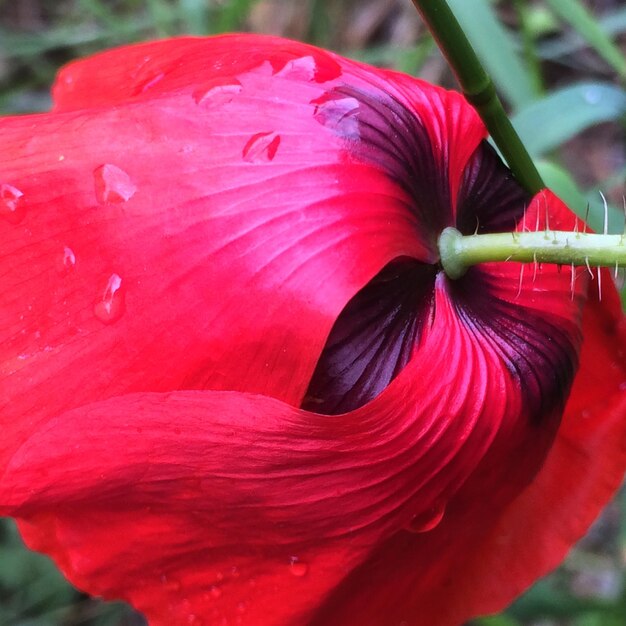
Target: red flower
(205, 236)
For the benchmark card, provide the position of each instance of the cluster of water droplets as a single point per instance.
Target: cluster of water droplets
(113, 186)
(216, 602)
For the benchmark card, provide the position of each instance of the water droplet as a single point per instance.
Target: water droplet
(303, 68)
(218, 91)
(297, 567)
(12, 204)
(146, 75)
(261, 147)
(67, 261)
(215, 591)
(242, 606)
(320, 68)
(148, 83)
(339, 113)
(113, 185)
(110, 307)
(592, 95)
(429, 519)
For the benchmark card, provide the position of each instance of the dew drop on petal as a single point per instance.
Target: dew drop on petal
(148, 83)
(303, 69)
(427, 520)
(217, 92)
(112, 184)
(338, 113)
(261, 147)
(12, 204)
(308, 68)
(110, 306)
(242, 606)
(146, 75)
(67, 261)
(215, 591)
(297, 567)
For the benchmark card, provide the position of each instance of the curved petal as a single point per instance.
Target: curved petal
(187, 236)
(209, 239)
(493, 543)
(203, 482)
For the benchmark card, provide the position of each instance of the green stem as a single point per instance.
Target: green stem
(459, 252)
(478, 88)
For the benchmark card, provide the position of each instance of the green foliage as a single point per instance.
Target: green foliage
(574, 12)
(497, 49)
(550, 121)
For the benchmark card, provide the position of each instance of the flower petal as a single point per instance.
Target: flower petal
(210, 481)
(187, 240)
(491, 545)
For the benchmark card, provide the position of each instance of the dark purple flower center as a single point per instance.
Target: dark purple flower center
(379, 330)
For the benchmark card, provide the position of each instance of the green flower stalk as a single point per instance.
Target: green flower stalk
(478, 88)
(458, 252)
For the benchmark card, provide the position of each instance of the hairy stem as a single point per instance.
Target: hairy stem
(459, 252)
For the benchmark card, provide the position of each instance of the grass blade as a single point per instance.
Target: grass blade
(497, 50)
(574, 13)
(547, 123)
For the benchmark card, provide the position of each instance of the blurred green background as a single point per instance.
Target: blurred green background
(560, 67)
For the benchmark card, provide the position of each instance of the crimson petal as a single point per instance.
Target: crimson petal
(190, 235)
(237, 250)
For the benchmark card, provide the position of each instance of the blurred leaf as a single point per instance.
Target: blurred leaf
(547, 123)
(163, 17)
(547, 599)
(412, 60)
(612, 23)
(576, 14)
(195, 14)
(231, 15)
(496, 48)
(408, 59)
(561, 182)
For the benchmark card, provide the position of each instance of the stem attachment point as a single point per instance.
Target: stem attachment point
(459, 252)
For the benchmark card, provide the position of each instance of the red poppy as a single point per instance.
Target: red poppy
(236, 387)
